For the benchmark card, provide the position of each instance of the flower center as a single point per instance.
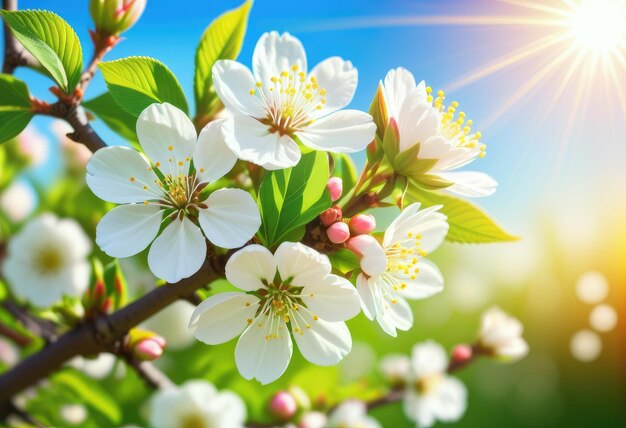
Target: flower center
(193, 421)
(48, 260)
(290, 98)
(456, 129)
(403, 256)
(428, 384)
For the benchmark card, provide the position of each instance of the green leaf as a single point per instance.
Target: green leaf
(468, 223)
(222, 39)
(345, 169)
(52, 41)
(105, 108)
(290, 198)
(15, 107)
(89, 392)
(378, 110)
(137, 82)
(344, 260)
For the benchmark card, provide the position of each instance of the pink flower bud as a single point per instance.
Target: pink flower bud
(283, 405)
(115, 16)
(149, 349)
(331, 215)
(461, 353)
(338, 232)
(362, 223)
(335, 188)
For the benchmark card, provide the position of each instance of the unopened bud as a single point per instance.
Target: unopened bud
(461, 354)
(335, 188)
(362, 223)
(338, 233)
(331, 215)
(115, 16)
(283, 405)
(149, 349)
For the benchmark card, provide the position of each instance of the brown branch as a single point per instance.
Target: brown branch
(15, 336)
(26, 417)
(98, 336)
(154, 377)
(14, 53)
(38, 326)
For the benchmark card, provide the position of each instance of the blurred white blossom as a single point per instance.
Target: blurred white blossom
(351, 414)
(172, 323)
(501, 336)
(33, 145)
(17, 201)
(395, 368)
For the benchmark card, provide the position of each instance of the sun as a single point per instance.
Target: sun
(599, 25)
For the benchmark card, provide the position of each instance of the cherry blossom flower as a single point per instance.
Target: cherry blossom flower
(227, 217)
(291, 289)
(442, 135)
(351, 414)
(431, 395)
(501, 336)
(396, 270)
(47, 260)
(196, 403)
(279, 104)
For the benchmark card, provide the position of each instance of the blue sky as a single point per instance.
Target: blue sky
(529, 153)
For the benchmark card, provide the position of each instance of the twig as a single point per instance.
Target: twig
(14, 53)
(39, 327)
(393, 397)
(98, 336)
(154, 377)
(17, 337)
(26, 417)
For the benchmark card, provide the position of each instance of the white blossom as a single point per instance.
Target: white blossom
(18, 201)
(304, 297)
(227, 217)
(47, 259)
(280, 103)
(351, 414)
(501, 335)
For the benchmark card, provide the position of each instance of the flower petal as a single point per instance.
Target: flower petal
(373, 258)
(128, 229)
(365, 288)
(332, 298)
(394, 313)
(428, 358)
(418, 408)
(428, 226)
(222, 317)
(276, 53)
(418, 122)
(263, 352)
(119, 174)
(345, 131)
(321, 342)
(427, 282)
(450, 401)
(248, 267)
(233, 82)
(231, 219)
(212, 158)
(168, 137)
(470, 183)
(301, 263)
(339, 79)
(178, 252)
(396, 86)
(251, 140)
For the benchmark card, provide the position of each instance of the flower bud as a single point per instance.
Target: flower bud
(149, 349)
(500, 336)
(302, 399)
(283, 405)
(338, 233)
(335, 188)
(115, 16)
(461, 354)
(313, 420)
(362, 223)
(331, 215)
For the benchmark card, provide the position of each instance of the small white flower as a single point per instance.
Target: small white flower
(196, 404)
(397, 271)
(18, 201)
(228, 217)
(395, 368)
(172, 324)
(292, 288)
(351, 414)
(73, 414)
(442, 137)
(47, 259)
(97, 368)
(279, 103)
(431, 395)
(501, 336)
(33, 145)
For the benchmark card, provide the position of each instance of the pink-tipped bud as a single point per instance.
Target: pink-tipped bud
(335, 188)
(362, 223)
(338, 233)
(331, 215)
(283, 405)
(461, 353)
(149, 349)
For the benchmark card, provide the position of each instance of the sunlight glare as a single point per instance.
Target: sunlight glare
(600, 25)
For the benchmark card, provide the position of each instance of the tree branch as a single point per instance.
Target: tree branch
(40, 327)
(18, 338)
(14, 53)
(154, 377)
(99, 336)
